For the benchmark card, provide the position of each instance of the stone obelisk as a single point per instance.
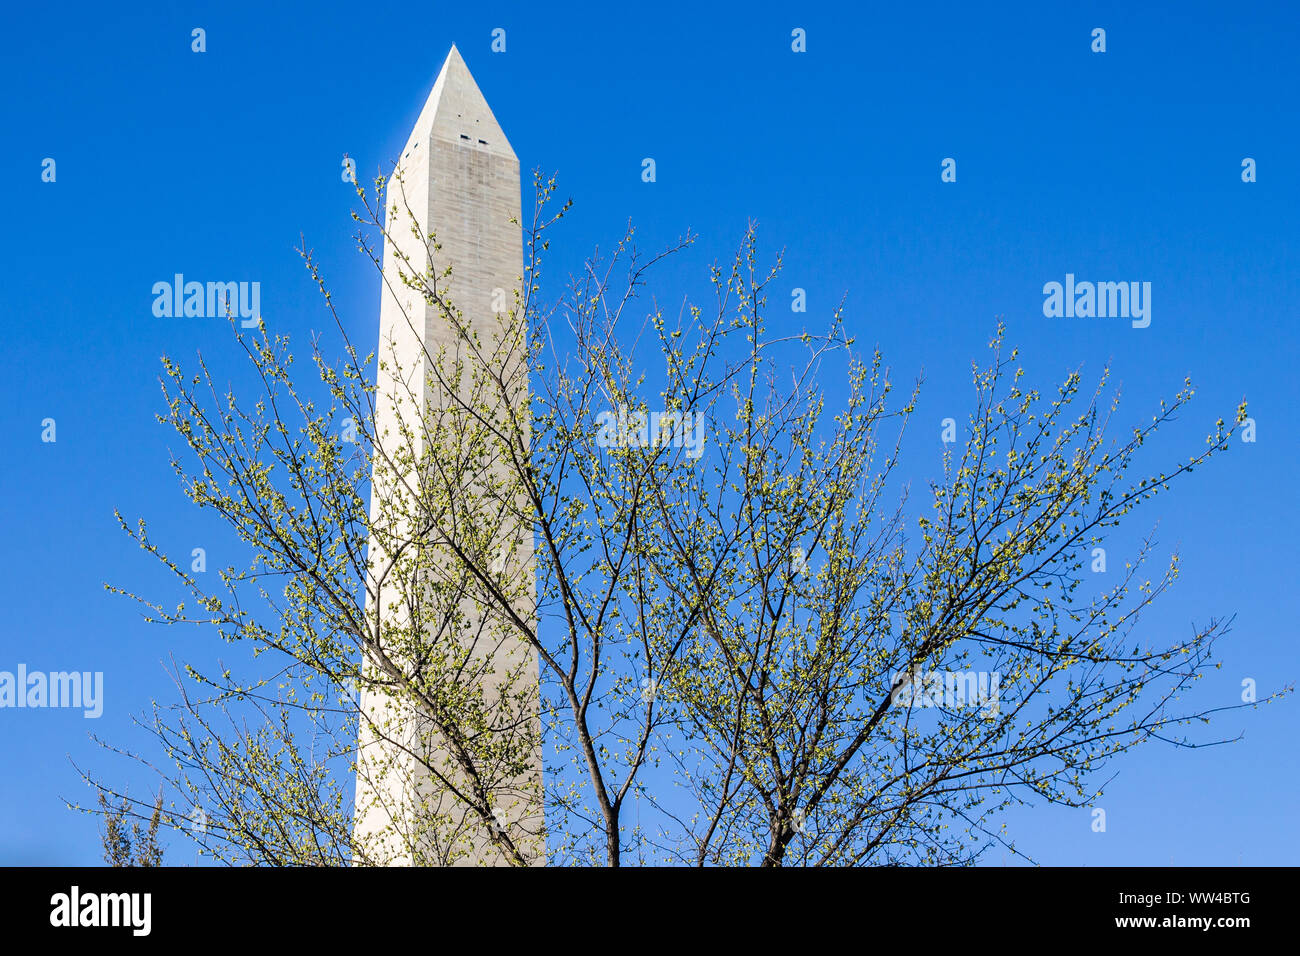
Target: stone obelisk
(452, 206)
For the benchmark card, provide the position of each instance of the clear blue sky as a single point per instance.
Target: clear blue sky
(1117, 166)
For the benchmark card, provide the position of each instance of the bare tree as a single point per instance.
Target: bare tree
(870, 697)
(134, 847)
(745, 652)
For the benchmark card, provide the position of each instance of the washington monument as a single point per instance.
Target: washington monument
(451, 573)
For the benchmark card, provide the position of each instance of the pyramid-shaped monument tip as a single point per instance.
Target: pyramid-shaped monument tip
(456, 111)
